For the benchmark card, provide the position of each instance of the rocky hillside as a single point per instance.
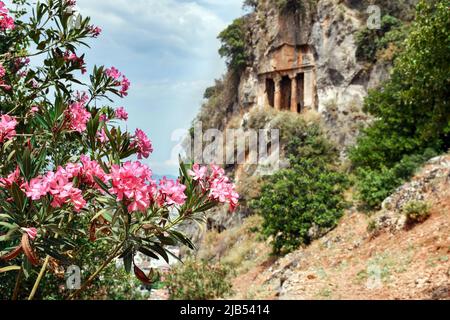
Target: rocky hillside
(300, 64)
(384, 256)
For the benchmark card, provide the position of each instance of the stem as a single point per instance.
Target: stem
(39, 278)
(97, 272)
(43, 270)
(17, 286)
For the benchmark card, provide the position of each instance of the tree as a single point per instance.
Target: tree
(305, 200)
(67, 182)
(233, 47)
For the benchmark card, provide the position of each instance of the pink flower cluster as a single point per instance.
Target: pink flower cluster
(95, 31)
(101, 135)
(143, 144)
(6, 22)
(121, 114)
(78, 115)
(77, 61)
(7, 127)
(171, 192)
(31, 232)
(58, 185)
(2, 74)
(217, 185)
(2, 71)
(115, 74)
(10, 179)
(132, 184)
(91, 169)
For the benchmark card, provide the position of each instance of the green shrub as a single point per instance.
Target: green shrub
(370, 41)
(198, 280)
(375, 185)
(294, 200)
(416, 211)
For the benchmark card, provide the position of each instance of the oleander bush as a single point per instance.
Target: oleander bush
(71, 191)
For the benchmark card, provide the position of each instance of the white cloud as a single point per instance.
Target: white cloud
(167, 25)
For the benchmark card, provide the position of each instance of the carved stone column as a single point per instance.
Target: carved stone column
(277, 99)
(294, 99)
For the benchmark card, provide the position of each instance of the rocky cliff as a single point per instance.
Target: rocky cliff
(301, 58)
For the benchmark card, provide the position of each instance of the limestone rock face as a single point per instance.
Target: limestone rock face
(319, 42)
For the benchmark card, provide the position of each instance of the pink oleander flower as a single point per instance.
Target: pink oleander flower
(36, 188)
(217, 172)
(223, 191)
(7, 127)
(113, 73)
(95, 31)
(73, 170)
(58, 185)
(91, 169)
(143, 144)
(78, 61)
(125, 86)
(19, 63)
(171, 192)
(82, 97)
(34, 109)
(103, 118)
(101, 135)
(6, 22)
(32, 232)
(10, 179)
(2, 83)
(198, 173)
(121, 113)
(63, 190)
(2, 71)
(78, 116)
(132, 184)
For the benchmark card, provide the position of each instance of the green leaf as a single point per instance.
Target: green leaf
(148, 252)
(9, 225)
(18, 196)
(160, 250)
(128, 261)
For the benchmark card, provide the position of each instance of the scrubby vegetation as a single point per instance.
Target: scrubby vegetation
(372, 43)
(198, 280)
(416, 211)
(411, 110)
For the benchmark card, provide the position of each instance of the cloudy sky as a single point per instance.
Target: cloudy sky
(168, 50)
